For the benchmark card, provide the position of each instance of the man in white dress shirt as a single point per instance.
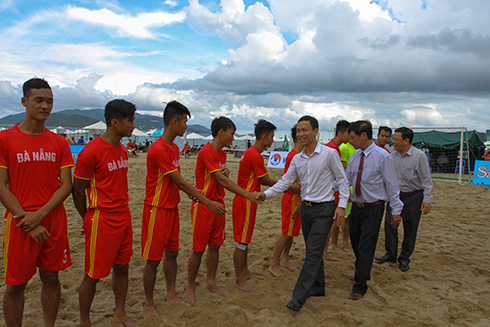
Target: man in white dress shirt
(372, 174)
(413, 173)
(317, 167)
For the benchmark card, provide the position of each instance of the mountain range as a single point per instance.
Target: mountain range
(78, 118)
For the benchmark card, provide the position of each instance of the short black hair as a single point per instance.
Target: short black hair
(384, 128)
(313, 121)
(294, 133)
(263, 127)
(407, 133)
(119, 109)
(362, 126)
(221, 123)
(342, 126)
(34, 83)
(174, 109)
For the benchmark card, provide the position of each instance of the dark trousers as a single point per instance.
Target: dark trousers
(316, 223)
(410, 219)
(364, 226)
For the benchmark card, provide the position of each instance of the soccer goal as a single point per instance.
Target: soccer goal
(451, 151)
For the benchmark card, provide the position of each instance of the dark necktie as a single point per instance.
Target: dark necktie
(359, 175)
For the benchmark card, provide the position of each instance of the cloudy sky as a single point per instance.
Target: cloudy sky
(394, 62)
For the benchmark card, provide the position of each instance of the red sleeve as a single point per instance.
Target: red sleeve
(258, 166)
(85, 166)
(210, 162)
(3, 154)
(165, 162)
(66, 159)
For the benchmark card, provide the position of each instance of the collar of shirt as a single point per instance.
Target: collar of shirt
(317, 151)
(409, 152)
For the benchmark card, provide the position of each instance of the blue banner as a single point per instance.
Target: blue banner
(481, 175)
(75, 150)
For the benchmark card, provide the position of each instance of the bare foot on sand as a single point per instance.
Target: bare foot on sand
(244, 286)
(289, 266)
(124, 319)
(338, 250)
(177, 300)
(327, 256)
(275, 271)
(216, 289)
(152, 310)
(252, 275)
(189, 296)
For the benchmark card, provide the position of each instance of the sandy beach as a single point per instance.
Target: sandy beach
(448, 283)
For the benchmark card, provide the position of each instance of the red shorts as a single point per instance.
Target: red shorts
(21, 254)
(159, 232)
(290, 227)
(108, 241)
(244, 213)
(207, 227)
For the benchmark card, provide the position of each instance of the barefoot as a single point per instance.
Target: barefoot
(327, 256)
(244, 286)
(189, 296)
(152, 310)
(124, 319)
(177, 300)
(346, 243)
(275, 271)
(338, 250)
(289, 266)
(252, 275)
(216, 289)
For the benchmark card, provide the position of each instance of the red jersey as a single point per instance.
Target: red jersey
(162, 159)
(34, 163)
(209, 161)
(251, 169)
(382, 147)
(289, 158)
(332, 145)
(106, 167)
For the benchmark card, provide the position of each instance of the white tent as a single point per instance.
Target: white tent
(195, 136)
(246, 137)
(210, 137)
(100, 125)
(137, 132)
(151, 131)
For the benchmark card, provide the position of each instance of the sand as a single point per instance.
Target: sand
(448, 283)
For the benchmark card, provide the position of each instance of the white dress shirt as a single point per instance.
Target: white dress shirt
(316, 174)
(413, 172)
(378, 180)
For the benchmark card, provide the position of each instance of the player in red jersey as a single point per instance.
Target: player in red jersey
(291, 218)
(251, 174)
(160, 228)
(384, 136)
(341, 137)
(35, 179)
(208, 229)
(102, 170)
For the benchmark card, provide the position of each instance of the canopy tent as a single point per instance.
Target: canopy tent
(245, 137)
(137, 132)
(437, 141)
(99, 126)
(151, 131)
(193, 136)
(207, 138)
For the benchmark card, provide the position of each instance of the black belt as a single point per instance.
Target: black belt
(404, 194)
(365, 205)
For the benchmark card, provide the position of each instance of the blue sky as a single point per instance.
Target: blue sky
(394, 62)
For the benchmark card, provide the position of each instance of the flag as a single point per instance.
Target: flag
(285, 145)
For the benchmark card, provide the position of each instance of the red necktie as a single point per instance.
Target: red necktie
(359, 175)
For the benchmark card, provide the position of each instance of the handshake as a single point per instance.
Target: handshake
(257, 197)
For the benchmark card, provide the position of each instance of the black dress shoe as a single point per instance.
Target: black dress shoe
(294, 305)
(316, 294)
(384, 258)
(404, 266)
(355, 296)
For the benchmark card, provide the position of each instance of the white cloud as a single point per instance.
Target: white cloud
(135, 26)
